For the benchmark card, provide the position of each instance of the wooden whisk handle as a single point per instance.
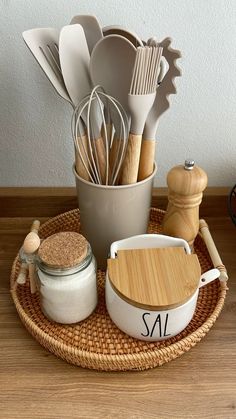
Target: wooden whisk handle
(101, 156)
(81, 157)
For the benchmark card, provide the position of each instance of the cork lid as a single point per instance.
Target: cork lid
(155, 278)
(63, 250)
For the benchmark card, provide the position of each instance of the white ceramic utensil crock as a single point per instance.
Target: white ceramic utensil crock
(143, 323)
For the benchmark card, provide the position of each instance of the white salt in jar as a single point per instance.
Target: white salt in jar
(67, 281)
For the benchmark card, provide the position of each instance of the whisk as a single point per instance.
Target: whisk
(95, 156)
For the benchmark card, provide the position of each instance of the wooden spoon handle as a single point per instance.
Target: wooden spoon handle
(213, 252)
(80, 166)
(131, 162)
(101, 155)
(146, 159)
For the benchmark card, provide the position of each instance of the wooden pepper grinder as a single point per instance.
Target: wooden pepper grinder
(186, 185)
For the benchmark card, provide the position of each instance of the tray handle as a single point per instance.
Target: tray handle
(212, 250)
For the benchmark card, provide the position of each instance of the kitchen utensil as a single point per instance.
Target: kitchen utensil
(111, 66)
(27, 252)
(126, 33)
(153, 42)
(167, 86)
(186, 184)
(133, 38)
(151, 293)
(74, 58)
(43, 43)
(87, 149)
(213, 252)
(140, 100)
(160, 105)
(96, 168)
(91, 27)
(110, 213)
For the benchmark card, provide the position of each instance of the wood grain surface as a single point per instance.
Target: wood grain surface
(35, 384)
(172, 276)
(49, 201)
(185, 196)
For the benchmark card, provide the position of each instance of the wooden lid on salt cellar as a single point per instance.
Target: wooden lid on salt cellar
(159, 278)
(63, 250)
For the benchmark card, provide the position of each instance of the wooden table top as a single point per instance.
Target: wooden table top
(36, 384)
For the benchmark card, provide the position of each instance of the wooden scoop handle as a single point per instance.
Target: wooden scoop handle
(35, 226)
(131, 162)
(146, 159)
(21, 279)
(213, 252)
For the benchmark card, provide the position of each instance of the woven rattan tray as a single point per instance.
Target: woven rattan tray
(97, 343)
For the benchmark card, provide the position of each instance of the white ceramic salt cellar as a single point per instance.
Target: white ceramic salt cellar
(152, 286)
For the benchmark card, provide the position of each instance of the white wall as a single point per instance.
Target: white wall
(36, 145)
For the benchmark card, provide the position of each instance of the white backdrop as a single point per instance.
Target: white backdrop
(36, 145)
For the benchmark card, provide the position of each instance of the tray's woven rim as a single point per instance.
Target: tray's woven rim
(118, 362)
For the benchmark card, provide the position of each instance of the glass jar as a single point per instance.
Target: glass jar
(68, 294)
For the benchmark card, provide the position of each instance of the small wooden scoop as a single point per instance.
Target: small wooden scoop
(30, 246)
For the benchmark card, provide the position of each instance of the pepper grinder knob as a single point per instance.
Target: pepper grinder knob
(186, 184)
(189, 164)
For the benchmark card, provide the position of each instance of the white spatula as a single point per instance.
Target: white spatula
(91, 27)
(74, 59)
